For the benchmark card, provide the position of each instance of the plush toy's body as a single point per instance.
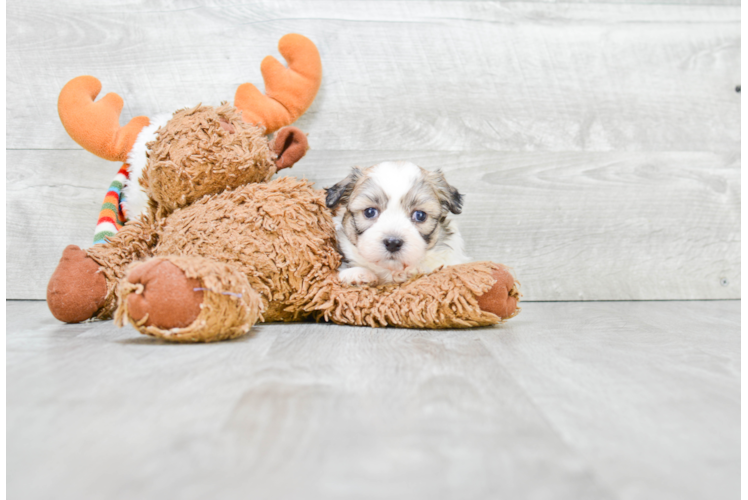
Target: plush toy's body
(220, 246)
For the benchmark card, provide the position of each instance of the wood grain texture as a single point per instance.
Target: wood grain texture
(592, 226)
(53, 199)
(574, 226)
(597, 143)
(619, 380)
(743, 207)
(566, 401)
(447, 76)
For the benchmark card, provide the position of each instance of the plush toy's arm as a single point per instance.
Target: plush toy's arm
(84, 284)
(466, 295)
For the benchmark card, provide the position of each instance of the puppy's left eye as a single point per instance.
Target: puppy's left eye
(371, 212)
(419, 216)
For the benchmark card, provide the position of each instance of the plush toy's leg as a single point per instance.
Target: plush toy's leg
(85, 282)
(467, 295)
(187, 299)
(167, 298)
(502, 298)
(77, 289)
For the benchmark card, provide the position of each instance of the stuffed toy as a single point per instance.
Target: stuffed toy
(197, 243)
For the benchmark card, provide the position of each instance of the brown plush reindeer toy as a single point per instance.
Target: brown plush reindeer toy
(213, 245)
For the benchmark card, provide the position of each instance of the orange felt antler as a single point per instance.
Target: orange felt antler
(289, 91)
(95, 125)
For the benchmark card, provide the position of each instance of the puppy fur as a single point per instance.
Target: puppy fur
(391, 222)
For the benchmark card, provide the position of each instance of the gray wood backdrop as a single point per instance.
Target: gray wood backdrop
(597, 143)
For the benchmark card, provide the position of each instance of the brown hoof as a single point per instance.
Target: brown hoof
(76, 289)
(498, 299)
(168, 296)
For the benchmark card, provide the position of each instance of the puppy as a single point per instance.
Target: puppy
(391, 222)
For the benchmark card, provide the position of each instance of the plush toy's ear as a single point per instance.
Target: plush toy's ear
(288, 91)
(341, 191)
(95, 125)
(290, 145)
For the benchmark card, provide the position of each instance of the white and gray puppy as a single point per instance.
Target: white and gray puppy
(391, 222)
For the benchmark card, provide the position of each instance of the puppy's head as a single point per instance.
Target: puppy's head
(394, 212)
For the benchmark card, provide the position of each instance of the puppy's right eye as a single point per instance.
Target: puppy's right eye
(371, 212)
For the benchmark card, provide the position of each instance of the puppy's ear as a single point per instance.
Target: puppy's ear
(341, 191)
(449, 197)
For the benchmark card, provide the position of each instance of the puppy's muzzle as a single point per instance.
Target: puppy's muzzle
(393, 245)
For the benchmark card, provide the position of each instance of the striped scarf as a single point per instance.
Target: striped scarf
(111, 217)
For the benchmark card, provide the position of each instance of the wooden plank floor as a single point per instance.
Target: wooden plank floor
(595, 400)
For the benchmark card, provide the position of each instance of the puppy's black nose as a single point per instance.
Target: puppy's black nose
(393, 244)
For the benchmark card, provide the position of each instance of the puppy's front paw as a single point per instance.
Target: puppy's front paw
(406, 274)
(357, 276)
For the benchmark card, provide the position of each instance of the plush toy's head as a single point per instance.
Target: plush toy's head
(175, 159)
(199, 151)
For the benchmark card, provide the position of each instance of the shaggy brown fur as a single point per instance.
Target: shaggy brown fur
(279, 234)
(447, 298)
(193, 155)
(230, 307)
(197, 154)
(132, 243)
(264, 251)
